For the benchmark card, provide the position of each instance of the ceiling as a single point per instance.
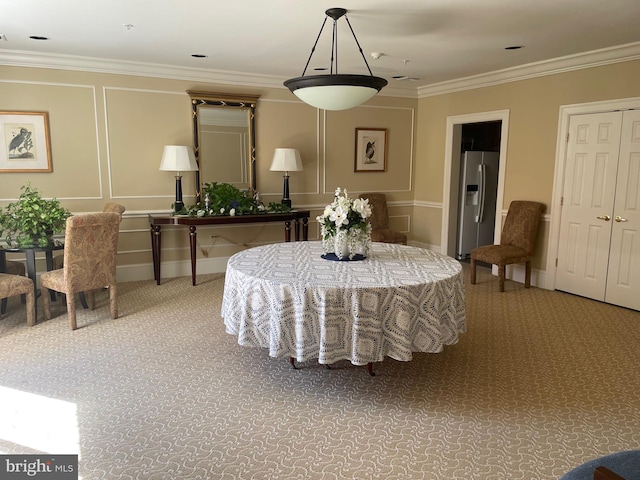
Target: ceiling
(264, 42)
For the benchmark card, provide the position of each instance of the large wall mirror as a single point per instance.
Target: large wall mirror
(224, 139)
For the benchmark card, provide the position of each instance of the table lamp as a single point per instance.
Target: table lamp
(286, 160)
(178, 158)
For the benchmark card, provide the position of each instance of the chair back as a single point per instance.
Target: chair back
(380, 214)
(114, 207)
(521, 225)
(91, 244)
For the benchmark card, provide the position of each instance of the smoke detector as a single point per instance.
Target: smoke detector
(376, 55)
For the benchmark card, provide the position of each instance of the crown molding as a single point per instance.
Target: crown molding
(20, 58)
(594, 58)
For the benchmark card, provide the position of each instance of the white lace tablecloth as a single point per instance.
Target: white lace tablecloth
(399, 300)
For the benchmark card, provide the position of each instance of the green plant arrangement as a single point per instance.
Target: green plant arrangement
(226, 199)
(32, 220)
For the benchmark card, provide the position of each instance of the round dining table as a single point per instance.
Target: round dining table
(288, 298)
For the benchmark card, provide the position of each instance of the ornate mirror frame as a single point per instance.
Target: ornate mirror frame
(222, 100)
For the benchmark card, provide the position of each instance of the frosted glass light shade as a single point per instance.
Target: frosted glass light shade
(335, 92)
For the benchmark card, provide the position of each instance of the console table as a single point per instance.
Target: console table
(297, 217)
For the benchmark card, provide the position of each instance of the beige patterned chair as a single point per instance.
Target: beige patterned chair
(58, 261)
(12, 285)
(90, 248)
(13, 268)
(380, 231)
(517, 242)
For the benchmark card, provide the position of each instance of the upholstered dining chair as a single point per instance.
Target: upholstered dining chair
(12, 285)
(380, 231)
(517, 242)
(58, 260)
(13, 268)
(90, 248)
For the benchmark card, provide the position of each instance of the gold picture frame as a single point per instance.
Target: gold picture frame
(25, 144)
(371, 150)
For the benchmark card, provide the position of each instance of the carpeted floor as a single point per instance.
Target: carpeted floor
(540, 382)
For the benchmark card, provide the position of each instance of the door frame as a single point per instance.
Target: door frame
(566, 112)
(450, 187)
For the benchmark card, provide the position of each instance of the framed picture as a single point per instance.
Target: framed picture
(371, 150)
(24, 142)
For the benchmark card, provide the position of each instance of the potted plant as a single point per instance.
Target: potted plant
(32, 220)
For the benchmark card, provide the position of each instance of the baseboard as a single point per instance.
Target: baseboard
(137, 272)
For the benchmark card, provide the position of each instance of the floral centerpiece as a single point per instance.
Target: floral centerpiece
(345, 226)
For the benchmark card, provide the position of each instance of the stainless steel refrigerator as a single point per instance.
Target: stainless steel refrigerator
(478, 191)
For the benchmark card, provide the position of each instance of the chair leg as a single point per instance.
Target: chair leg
(473, 271)
(92, 299)
(31, 309)
(113, 301)
(501, 269)
(71, 310)
(527, 274)
(46, 300)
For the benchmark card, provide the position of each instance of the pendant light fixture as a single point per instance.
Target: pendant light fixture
(335, 91)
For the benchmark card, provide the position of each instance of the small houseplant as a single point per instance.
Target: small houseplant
(32, 220)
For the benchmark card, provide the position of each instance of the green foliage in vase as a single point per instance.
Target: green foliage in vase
(32, 220)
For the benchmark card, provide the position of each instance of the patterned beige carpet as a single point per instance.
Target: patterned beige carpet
(541, 382)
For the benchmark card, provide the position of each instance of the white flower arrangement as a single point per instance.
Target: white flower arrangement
(345, 225)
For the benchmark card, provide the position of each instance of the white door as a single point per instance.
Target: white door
(598, 254)
(587, 203)
(623, 278)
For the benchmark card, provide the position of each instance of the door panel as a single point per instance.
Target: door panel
(588, 201)
(623, 279)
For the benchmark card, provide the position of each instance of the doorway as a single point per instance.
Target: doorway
(487, 130)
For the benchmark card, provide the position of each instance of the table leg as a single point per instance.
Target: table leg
(305, 229)
(192, 241)
(3, 269)
(296, 226)
(156, 242)
(31, 273)
(287, 230)
(292, 361)
(370, 369)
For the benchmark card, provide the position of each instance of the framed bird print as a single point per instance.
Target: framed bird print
(25, 145)
(371, 150)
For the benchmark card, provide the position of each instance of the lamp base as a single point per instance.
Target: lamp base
(285, 191)
(178, 204)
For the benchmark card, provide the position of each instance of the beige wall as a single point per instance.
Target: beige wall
(533, 107)
(108, 133)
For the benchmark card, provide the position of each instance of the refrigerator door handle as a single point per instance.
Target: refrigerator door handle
(481, 182)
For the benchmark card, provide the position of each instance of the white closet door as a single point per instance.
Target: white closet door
(588, 200)
(623, 278)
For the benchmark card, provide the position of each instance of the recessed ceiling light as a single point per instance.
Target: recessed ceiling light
(199, 55)
(514, 47)
(37, 37)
